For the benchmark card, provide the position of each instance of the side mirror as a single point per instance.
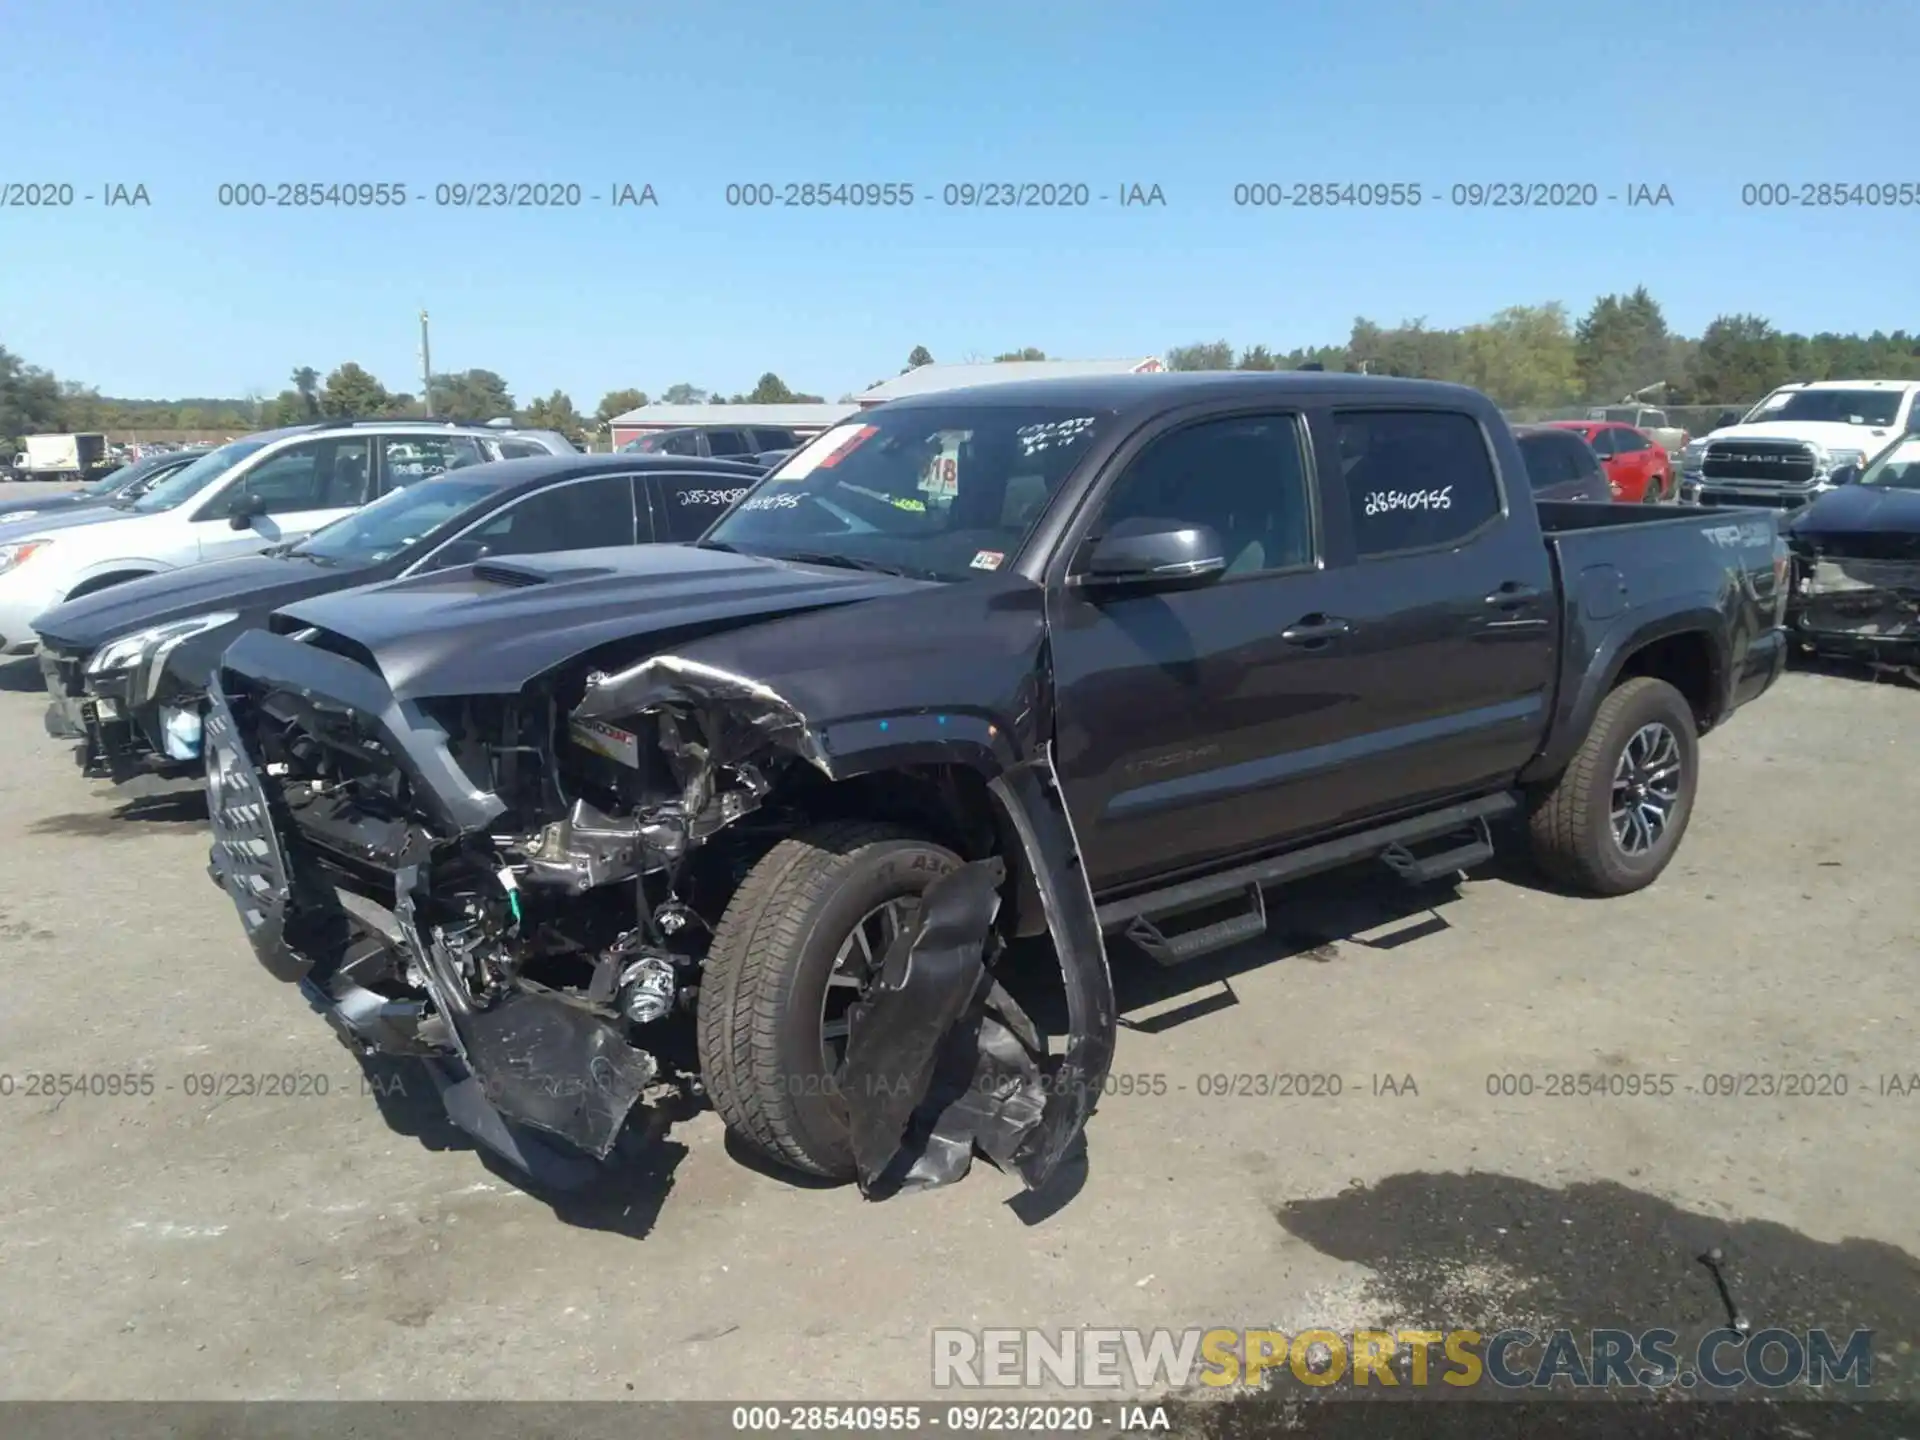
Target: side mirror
(1156, 554)
(1727, 417)
(245, 510)
(1845, 475)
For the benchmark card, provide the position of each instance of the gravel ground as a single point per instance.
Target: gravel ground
(182, 1245)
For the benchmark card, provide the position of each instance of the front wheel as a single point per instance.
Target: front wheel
(800, 943)
(1615, 817)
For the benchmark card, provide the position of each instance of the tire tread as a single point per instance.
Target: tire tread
(1562, 821)
(747, 975)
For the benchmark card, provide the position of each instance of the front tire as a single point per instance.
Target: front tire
(801, 937)
(1615, 817)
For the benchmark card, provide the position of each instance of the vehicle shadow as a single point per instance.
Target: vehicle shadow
(1836, 667)
(186, 809)
(624, 1198)
(1315, 921)
(1489, 1252)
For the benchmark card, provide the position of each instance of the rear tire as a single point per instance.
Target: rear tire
(764, 990)
(1593, 829)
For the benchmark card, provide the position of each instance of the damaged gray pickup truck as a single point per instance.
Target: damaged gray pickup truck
(1058, 660)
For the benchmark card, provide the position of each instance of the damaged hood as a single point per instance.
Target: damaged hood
(254, 585)
(1859, 510)
(491, 627)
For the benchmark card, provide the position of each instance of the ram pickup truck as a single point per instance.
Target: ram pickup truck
(1058, 659)
(1801, 442)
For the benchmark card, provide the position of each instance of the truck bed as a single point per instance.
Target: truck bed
(1619, 566)
(1562, 517)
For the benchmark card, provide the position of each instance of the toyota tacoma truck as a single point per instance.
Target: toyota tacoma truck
(1060, 660)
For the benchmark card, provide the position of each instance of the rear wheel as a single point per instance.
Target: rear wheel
(800, 943)
(1615, 817)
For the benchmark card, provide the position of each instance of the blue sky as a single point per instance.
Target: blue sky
(188, 298)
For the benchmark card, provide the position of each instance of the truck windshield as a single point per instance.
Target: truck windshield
(393, 522)
(1898, 469)
(183, 485)
(938, 492)
(1837, 407)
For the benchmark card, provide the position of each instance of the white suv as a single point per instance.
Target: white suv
(265, 490)
(1800, 442)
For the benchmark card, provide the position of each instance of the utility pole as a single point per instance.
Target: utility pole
(426, 369)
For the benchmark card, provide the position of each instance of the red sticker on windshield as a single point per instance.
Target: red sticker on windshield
(847, 446)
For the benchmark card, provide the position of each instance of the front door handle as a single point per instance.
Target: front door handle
(1512, 595)
(1316, 630)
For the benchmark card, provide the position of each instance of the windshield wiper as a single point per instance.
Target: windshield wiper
(716, 545)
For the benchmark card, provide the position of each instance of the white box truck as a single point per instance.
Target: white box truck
(61, 457)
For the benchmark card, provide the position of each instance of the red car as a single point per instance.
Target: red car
(1638, 469)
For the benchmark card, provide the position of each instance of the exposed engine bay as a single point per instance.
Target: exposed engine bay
(531, 913)
(1867, 604)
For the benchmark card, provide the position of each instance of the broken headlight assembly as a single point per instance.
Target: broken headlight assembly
(150, 647)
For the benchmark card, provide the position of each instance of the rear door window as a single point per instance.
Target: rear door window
(576, 515)
(729, 442)
(1415, 479)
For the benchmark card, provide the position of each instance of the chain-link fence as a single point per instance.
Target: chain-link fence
(1696, 420)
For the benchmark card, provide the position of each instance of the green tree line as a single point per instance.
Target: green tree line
(35, 401)
(1537, 357)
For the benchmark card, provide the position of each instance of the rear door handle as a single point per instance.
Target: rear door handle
(1512, 595)
(1316, 630)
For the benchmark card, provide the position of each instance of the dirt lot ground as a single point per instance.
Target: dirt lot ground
(185, 1245)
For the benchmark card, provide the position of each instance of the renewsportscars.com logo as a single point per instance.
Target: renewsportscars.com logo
(1515, 1359)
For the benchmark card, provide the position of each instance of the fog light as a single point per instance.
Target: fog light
(180, 730)
(107, 709)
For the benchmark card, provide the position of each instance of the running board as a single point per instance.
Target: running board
(1184, 945)
(1186, 895)
(1472, 846)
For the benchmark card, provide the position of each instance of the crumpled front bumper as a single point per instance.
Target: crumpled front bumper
(1867, 609)
(119, 735)
(514, 1073)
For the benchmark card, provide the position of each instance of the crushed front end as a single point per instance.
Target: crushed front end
(1858, 596)
(522, 946)
(129, 713)
(521, 891)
